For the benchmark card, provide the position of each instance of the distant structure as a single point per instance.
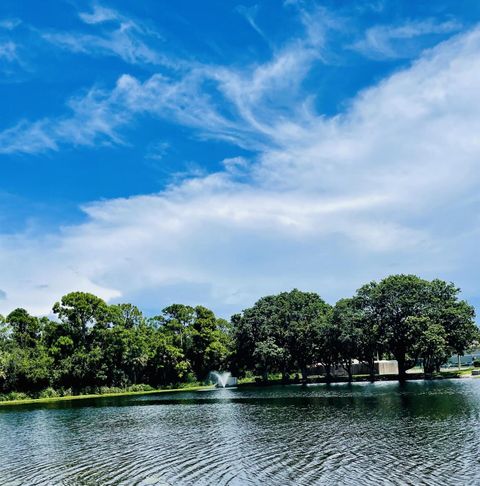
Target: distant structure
(382, 367)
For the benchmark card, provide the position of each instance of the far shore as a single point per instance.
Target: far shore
(411, 376)
(102, 395)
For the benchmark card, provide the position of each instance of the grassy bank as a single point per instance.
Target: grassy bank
(100, 395)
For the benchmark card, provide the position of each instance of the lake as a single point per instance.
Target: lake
(417, 433)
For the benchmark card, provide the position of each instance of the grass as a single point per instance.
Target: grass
(457, 373)
(104, 395)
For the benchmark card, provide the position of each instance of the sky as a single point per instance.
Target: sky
(215, 152)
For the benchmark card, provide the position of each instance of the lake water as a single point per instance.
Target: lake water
(385, 433)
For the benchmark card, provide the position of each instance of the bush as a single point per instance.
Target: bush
(476, 363)
(8, 397)
(190, 379)
(48, 393)
(186, 385)
(104, 390)
(140, 388)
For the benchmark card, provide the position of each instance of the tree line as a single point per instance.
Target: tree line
(90, 344)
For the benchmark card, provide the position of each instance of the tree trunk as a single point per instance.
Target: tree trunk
(428, 366)
(402, 375)
(459, 362)
(349, 371)
(304, 374)
(265, 376)
(371, 369)
(328, 377)
(348, 368)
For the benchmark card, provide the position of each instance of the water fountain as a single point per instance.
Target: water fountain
(221, 378)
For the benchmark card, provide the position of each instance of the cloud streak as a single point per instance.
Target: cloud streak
(234, 108)
(396, 41)
(120, 37)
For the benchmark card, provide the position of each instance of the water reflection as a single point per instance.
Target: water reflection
(417, 433)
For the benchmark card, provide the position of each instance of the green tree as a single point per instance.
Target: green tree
(210, 347)
(178, 319)
(348, 321)
(25, 328)
(431, 344)
(279, 332)
(127, 316)
(327, 344)
(456, 316)
(389, 304)
(79, 311)
(304, 313)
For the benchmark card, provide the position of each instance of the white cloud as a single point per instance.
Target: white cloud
(243, 108)
(94, 120)
(8, 51)
(396, 41)
(9, 23)
(328, 203)
(99, 15)
(119, 36)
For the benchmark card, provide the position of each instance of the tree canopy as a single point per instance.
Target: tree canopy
(91, 344)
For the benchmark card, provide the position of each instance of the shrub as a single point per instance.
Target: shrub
(103, 390)
(140, 387)
(48, 393)
(186, 385)
(476, 363)
(190, 379)
(14, 396)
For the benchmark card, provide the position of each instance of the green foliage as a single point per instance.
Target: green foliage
(431, 345)
(99, 348)
(25, 328)
(13, 395)
(394, 306)
(402, 316)
(49, 393)
(279, 332)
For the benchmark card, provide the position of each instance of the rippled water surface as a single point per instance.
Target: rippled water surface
(419, 433)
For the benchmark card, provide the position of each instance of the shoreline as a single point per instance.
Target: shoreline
(317, 380)
(27, 401)
(246, 384)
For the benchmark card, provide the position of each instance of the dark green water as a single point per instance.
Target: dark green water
(420, 433)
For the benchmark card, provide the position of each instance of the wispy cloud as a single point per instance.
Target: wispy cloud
(13, 60)
(235, 107)
(100, 14)
(9, 23)
(120, 36)
(394, 41)
(94, 121)
(326, 204)
(250, 14)
(8, 51)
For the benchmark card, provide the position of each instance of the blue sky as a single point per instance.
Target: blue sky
(213, 152)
